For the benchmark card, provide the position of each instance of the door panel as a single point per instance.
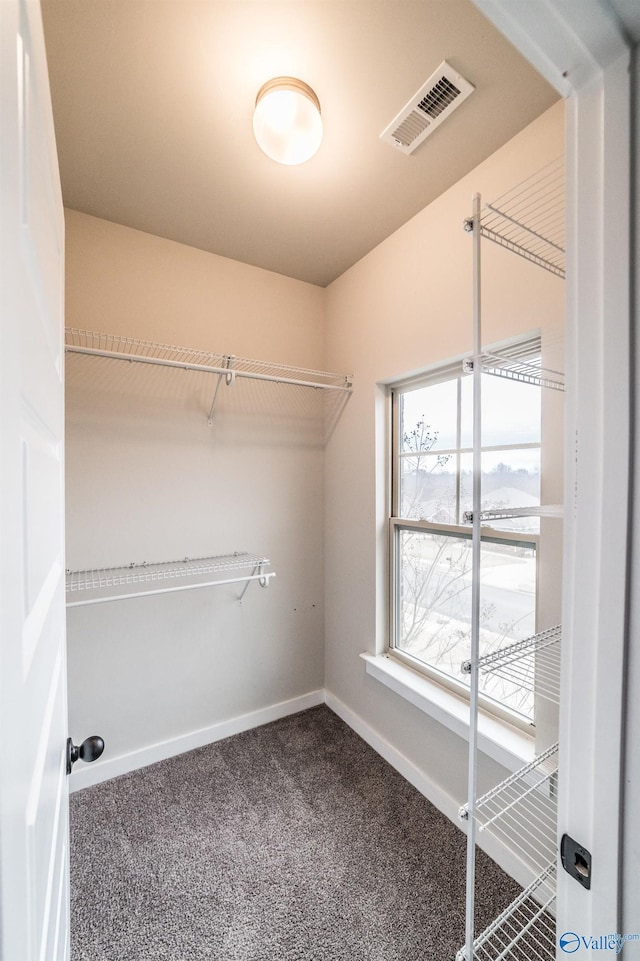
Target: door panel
(34, 876)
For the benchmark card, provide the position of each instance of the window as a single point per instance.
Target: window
(431, 544)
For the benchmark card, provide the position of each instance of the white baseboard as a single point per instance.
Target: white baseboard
(502, 855)
(104, 770)
(411, 772)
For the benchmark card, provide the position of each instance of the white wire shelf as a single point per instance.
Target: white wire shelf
(99, 585)
(526, 930)
(524, 371)
(529, 220)
(501, 514)
(227, 367)
(532, 664)
(522, 810)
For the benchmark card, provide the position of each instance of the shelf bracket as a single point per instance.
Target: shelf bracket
(229, 379)
(259, 573)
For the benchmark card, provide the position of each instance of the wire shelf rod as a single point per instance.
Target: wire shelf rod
(519, 231)
(527, 934)
(538, 642)
(525, 929)
(532, 836)
(552, 172)
(203, 572)
(529, 219)
(518, 370)
(534, 845)
(263, 578)
(520, 776)
(523, 226)
(205, 368)
(531, 787)
(528, 682)
(519, 362)
(542, 231)
(536, 836)
(523, 377)
(544, 226)
(515, 248)
(547, 671)
(532, 664)
(555, 511)
(113, 347)
(522, 809)
(144, 572)
(527, 371)
(537, 196)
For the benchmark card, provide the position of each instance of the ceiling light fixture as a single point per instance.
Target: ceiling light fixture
(287, 122)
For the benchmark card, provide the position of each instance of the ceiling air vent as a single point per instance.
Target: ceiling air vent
(435, 100)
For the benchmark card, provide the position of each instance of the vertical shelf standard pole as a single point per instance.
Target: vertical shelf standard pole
(475, 583)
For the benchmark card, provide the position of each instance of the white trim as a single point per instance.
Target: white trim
(428, 788)
(410, 771)
(597, 519)
(506, 745)
(568, 43)
(99, 771)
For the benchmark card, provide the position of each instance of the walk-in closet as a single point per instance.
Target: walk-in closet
(317, 595)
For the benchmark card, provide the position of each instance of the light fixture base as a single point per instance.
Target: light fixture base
(289, 83)
(286, 122)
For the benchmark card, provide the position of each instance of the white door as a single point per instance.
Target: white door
(34, 899)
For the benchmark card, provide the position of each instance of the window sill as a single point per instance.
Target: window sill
(505, 744)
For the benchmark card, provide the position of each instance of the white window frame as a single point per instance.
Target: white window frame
(397, 523)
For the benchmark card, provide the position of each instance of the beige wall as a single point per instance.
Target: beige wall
(147, 479)
(404, 307)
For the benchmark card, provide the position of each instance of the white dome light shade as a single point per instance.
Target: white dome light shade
(287, 122)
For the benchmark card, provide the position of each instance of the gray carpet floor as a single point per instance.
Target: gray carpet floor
(291, 842)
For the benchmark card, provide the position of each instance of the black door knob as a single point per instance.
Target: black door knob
(90, 749)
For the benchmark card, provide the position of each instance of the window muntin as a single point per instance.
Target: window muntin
(431, 547)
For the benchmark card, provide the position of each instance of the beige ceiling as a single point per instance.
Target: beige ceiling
(153, 103)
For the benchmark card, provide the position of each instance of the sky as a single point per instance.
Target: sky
(510, 414)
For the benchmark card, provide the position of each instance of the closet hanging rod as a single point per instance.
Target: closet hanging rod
(115, 347)
(108, 579)
(230, 373)
(263, 578)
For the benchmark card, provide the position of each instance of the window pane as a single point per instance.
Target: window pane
(429, 417)
(434, 611)
(510, 412)
(428, 488)
(435, 600)
(510, 478)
